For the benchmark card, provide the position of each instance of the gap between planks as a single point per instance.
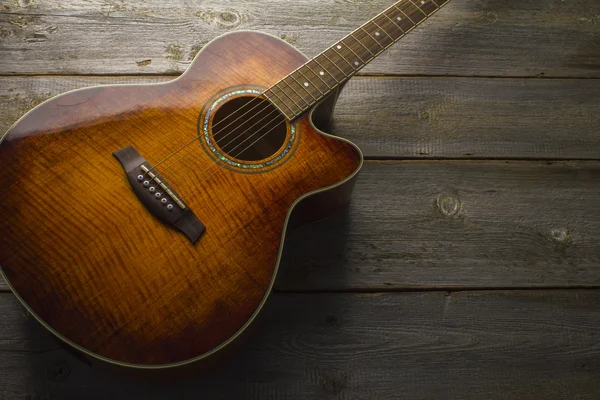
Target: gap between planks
(447, 291)
(359, 75)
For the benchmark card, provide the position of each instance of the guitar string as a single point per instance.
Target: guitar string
(275, 119)
(215, 134)
(205, 178)
(196, 137)
(239, 144)
(283, 80)
(221, 139)
(356, 69)
(233, 113)
(259, 130)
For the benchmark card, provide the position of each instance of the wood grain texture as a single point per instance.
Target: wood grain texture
(466, 345)
(94, 264)
(455, 224)
(418, 117)
(468, 37)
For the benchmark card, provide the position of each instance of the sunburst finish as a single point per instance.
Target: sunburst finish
(97, 269)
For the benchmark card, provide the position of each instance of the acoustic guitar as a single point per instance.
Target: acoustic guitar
(144, 224)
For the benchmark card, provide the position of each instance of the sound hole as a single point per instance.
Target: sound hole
(249, 129)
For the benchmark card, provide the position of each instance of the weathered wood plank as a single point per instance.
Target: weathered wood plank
(489, 345)
(455, 224)
(471, 118)
(468, 37)
(419, 117)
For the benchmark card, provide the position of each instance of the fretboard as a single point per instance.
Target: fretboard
(309, 84)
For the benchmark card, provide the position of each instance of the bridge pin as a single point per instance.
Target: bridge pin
(152, 189)
(164, 201)
(158, 195)
(140, 178)
(170, 207)
(146, 183)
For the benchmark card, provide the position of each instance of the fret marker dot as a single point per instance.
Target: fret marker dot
(321, 73)
(339, 47)
(422, 2)
(306, 84)
(356, 62)
(399, 19)
(376, 33)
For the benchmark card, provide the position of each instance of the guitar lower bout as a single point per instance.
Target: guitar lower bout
(107, 266)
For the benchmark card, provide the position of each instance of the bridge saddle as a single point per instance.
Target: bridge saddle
(159, 198)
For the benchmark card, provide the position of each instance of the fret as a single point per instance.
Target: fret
(326, 70)
(303, 87)
(383, 41)
(342, 57)
(402, 20)
(416, 14)
(356, 63)
(429, 7)
(419, 8)
(379, 49)
(312, 71)
(281, 102)
(315, 80)
(384, 31)
(403, 13)
(336, 65)
(372, 37)
(311, 84)
(392, 29)
(287, 96)
(362, 44)
(298, 89)
(394, 22)
(295, 92)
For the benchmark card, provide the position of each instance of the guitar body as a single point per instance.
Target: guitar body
(99, 270)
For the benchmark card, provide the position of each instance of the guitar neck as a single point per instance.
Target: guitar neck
(306, 86)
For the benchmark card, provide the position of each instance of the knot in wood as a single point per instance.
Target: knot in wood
(59, 371)
(561, 235)
(25, 3)
(449, 206)
(331, 320)
(334, 384)
(489, 18)
(229, 19)
(5, 33)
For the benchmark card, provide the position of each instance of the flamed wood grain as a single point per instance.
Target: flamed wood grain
(488, 345)
(455, 225)
(90, 260)
(468, 37)
(420, 118)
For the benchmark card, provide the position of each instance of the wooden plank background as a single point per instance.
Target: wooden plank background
(455, 225)
(466, 345)
(468, 263)
(399, 118)
(471, 37)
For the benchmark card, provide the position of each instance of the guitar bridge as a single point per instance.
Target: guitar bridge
(159, 198)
